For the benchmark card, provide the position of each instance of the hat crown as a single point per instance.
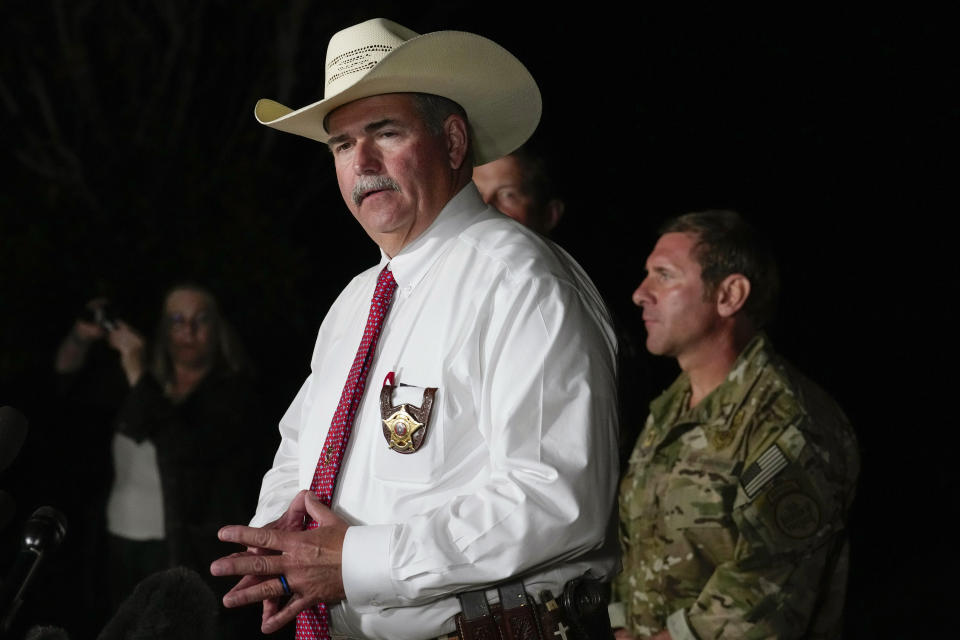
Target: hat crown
(357, 49)
(378, 57)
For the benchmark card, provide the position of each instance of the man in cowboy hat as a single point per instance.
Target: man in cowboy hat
(482, 467)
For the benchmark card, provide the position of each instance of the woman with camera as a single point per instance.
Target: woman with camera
(185, 459)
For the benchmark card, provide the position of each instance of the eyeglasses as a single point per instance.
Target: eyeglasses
(181, 322)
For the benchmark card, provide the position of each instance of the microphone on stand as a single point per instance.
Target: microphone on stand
(42, 534)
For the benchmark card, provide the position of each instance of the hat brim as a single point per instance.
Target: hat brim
(500, 97)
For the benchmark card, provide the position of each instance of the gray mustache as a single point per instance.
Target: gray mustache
(366, 184)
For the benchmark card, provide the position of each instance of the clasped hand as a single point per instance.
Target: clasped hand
(308, 559)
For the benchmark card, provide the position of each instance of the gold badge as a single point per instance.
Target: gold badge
(401, 428)
(405, 426)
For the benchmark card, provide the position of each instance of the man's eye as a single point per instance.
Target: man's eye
(340, 148)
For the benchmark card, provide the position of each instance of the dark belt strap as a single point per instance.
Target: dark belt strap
(519, 613)
(474, 605)
(476, 621)
(518, 617)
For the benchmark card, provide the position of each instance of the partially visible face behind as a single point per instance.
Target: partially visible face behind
(191, 334)
(501, 185)
(381, 137)
(676, 314)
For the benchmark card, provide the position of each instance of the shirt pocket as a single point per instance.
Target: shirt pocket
(415, 467)
(698, 503)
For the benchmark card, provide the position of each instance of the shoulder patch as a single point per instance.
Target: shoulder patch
(764, 469)
(797, 515)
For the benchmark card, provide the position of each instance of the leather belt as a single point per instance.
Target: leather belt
(580, 613)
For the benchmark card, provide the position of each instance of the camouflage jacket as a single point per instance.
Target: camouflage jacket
(732, 513)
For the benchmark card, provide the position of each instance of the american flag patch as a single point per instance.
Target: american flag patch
(763, 470)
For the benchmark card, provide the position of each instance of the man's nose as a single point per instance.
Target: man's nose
(366, 158)
(641, 295)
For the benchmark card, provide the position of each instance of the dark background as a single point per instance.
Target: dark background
(131, 160)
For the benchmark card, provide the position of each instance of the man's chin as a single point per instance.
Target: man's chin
(656, 348)
(382, 219)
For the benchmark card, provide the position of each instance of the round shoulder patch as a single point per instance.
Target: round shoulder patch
(797, 515)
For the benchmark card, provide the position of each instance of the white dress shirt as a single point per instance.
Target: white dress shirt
(517, 473)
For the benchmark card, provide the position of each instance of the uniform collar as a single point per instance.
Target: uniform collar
(414, 260)
(722, 401)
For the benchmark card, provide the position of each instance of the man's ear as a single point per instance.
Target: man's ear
(455, 132)
(732, 294)
(554, 211)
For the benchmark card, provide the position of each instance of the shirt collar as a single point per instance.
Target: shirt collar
(722, 400)
(414, 260)
(734, 389)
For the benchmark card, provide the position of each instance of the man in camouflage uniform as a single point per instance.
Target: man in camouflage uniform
(733, 508)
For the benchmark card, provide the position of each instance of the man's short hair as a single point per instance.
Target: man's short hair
(727, 244)
(435, 110)
(536, 178)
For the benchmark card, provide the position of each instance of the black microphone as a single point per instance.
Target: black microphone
(42, 533)
(13, 431)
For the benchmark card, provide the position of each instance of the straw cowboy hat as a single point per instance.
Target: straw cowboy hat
(378, 56)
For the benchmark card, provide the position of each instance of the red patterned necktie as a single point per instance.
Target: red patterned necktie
(313, 623)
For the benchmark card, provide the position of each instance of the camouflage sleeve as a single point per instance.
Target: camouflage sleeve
(789, 514)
